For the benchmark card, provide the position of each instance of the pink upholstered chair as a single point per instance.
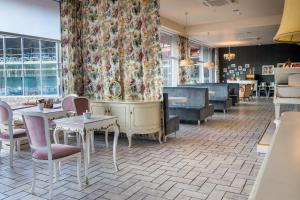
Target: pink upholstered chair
(10, 134)
(67, 104)
(37, 129)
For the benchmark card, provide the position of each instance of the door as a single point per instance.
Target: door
(120, 110)
(145, 117)
(99, 108)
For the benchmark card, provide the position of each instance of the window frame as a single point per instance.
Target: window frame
(57, 62)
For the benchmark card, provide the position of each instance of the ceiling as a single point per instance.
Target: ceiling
(231, 23)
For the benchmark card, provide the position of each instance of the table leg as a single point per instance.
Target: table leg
(88, 146)
(55, 136)
(85, 157)
(116, 136)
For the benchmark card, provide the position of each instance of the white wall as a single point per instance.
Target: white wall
(40, 18)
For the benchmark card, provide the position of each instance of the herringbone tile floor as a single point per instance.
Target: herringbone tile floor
(216, 160)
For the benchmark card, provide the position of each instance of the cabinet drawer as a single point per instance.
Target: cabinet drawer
(98, 109)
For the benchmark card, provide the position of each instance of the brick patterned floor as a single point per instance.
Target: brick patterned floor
(216, 160)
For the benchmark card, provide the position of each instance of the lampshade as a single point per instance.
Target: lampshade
(186, 62)
(209, 65)
(289, 30)
(229, 56)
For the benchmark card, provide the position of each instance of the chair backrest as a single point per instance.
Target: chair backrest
(67, 103)
(6, 114)
(166, 106)
(196, 96)
(81, 105)
(219, 91)
(37, 130)
(263, 84)
(248, 90)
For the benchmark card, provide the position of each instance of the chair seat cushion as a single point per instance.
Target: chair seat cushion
(58, 151)
(17, 133)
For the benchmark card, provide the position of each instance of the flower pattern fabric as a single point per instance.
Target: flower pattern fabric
(107, 43)
(182, 44)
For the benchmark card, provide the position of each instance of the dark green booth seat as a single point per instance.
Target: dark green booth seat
(218, 94)
(196, 108)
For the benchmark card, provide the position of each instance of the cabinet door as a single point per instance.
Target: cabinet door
(99, 108)
(145, 117)
(120, 111)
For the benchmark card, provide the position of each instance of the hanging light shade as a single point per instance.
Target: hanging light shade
(289, 30)
(209, 64)
(187, 62)
(229, 56)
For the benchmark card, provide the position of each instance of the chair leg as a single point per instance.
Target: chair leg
(106, 138)
(65, 137)
(78, 170)
(18, 146)
(59, 167)
(11, 153)
(50, 166)
(165, 138)
(55, 171)
(78, 139)
(33, 177)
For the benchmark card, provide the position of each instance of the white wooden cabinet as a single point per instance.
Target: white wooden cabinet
(134, 117)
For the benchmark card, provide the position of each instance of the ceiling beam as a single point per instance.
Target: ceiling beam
(237, 24)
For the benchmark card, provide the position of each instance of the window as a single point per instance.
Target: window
(169, 58)
(201, 55)
(28, 67)
(165, 43)
(196, 56)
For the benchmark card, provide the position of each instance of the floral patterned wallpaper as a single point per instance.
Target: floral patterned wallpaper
(111, 48)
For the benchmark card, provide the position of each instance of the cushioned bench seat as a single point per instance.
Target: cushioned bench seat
(195, 109)
(221, 104)
(192, 114)
(219, 94)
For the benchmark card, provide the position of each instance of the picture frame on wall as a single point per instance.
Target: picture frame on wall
(247, 65)
(240, 68)
(231, 71)
(232, 65)
(267, 70)
(224, 70)
(244, 69)
(237, 73)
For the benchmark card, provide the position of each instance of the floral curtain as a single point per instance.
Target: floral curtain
(113, 48)
(182, 44)
(71, 28)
